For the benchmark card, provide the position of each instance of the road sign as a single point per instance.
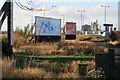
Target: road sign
(108, 25)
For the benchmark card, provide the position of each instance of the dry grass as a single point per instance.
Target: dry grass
(74, 65)
(29, 73)
(19, 40)
(8, 67)
(118, 35)
(47, 69)
(66, 46)
(43, 48)
(78, 47)
(9, 70)
(68, 75)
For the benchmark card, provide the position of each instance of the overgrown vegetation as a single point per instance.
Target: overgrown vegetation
(63, 48)
(77, 48)
(5, 47)
(48, 68)
(113, 36)
(43, 69)
(99, 74)
(19, 38)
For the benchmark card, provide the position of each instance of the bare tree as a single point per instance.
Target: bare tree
(31, 6)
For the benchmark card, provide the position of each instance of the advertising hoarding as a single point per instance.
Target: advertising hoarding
(70, 28)
(48, 26)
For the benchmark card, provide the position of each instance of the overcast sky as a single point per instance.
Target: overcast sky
(93, 12)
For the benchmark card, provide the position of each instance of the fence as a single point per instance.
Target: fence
(108, 63)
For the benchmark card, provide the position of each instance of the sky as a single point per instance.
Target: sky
(93, 12)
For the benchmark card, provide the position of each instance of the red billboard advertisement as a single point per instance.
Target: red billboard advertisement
(70, 28)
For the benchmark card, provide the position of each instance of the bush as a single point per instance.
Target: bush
(61, 44)
(5, 47)
(113, 36)
(19, 38)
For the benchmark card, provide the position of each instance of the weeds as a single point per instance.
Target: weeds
(44, 69)
(99, 74)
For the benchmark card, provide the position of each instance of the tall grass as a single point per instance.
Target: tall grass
(9, 70)
(44, 69)
(64, 48)
(8, 66)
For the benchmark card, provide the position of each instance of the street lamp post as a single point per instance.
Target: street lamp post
(106, 27)
(81, 17)
(63, 16)
(105, 11)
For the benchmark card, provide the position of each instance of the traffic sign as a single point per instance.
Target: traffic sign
(108, 25)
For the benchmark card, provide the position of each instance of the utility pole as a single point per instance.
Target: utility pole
(7, 11)
(105, 11)
(63, 16)
(81, 18)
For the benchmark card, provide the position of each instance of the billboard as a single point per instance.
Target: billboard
(48, 26)
(70, 28)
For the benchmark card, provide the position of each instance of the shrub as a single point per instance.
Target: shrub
(19, 38)
(60, 44)
(5, 47)
(113, 36)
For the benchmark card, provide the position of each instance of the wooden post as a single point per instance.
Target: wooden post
(109, 64)
(82, 69)
(100, 61)
(110, 59)
(106, 62)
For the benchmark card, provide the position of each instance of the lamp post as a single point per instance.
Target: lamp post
(81, 17)
(105, 11)
(63, 16)
(106, 26)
